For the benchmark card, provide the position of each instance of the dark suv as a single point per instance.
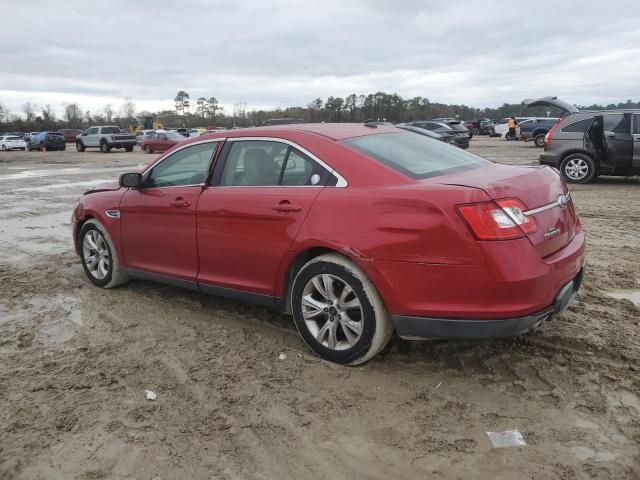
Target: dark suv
(586, 144)
(536, 129)
(46, 141)
(458, 137)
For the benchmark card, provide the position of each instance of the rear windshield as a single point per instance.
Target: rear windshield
(415, 155)
(110, 130)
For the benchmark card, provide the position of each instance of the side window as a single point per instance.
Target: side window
(254, 163)
(300, 170)
(92, 131)
(161, 136)
(617, 123)
(636, 123)
(189, 166)
(578, 127)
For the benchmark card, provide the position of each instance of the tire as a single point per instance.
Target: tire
(539, 140)
(80, 147)
(104, 147)
(578, 168)
(41, 147)
(64, 148)
(4, 148)
(340, 344)
(115, 274)
(147, 149)
(129, 149)
(28, 147)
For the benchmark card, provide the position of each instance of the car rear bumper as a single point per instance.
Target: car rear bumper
(409, 327)
(513, 281)
(123, 144)
(549, 159)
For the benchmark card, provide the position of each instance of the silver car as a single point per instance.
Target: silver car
(585, 144)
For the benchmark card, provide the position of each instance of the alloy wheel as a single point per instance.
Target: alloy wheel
(96, 254)
(576, 169)
(332, 312)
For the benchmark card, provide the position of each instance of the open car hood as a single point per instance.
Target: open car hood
(550, 102)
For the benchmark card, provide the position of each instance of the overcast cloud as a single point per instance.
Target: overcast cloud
(286, 53)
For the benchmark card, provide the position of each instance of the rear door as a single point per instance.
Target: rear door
(618, 140)
(636, 143)
(248, 218)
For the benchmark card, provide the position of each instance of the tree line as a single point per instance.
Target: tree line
(206, 111)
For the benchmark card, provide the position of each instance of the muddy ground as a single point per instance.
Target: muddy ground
(75, 362)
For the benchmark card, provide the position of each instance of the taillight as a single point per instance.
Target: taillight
(549, 135)
(499, 220)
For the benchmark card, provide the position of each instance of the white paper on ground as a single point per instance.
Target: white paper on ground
(508, 438)
(151, 395)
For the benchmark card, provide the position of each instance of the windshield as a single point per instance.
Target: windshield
(415, 155)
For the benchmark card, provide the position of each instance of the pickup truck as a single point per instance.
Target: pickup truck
(105, 138)
(536, 129)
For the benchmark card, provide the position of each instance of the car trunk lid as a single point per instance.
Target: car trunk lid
(550, 102)
(542, 191)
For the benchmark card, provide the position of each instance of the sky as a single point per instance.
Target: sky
(280, 53)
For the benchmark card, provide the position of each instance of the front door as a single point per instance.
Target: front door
(250, 216)
(618, 140)
(636, 143)
(158, 220)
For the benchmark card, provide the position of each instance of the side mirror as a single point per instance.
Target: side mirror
(130, 180)
(84, 134)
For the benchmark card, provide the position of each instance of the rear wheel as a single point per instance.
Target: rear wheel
(4, 148)
(578, 168)
(28, 147)
(338, 311)
(80, 146)
(147, 149)
(104, 147)
(539, 140)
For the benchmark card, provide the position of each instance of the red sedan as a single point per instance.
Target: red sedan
(356, 231)
(160, 141)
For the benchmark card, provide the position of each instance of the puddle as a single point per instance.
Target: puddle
(86, 184)
(54, 172)
(586, 453)
(632, 295)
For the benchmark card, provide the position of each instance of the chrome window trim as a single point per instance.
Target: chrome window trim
(342, 182)
(546, 207)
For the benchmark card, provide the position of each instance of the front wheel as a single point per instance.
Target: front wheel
(539, 140)
(80, 146)
(99, 257)
(578, 168)
(28, 147)
(4, 148)
(338, 311)
(147, 149)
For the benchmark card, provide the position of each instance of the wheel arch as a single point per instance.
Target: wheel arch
(294, 261)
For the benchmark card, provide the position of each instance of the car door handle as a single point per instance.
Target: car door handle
(180, 204)
(286, 207)
(610, 135)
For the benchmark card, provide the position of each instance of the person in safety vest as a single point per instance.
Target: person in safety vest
(511, 135)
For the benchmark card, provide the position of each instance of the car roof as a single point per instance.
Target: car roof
(334, 131)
